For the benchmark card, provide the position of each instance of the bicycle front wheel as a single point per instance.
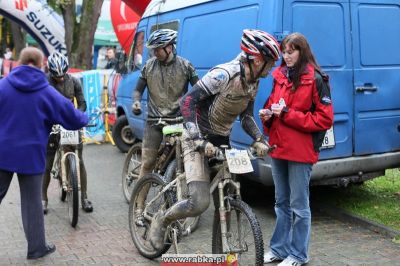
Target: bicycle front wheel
(147, 192)
(72, 193)
(131, 170)
(244, 235)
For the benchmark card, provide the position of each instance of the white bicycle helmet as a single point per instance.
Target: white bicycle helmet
(260, 43)
(161, 38)
(57, 64)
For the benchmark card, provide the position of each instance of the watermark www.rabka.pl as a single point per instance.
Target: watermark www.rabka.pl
(199, 260)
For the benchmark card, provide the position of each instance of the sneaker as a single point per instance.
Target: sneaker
(270, 257)
(139, 218)
(157, 231)
(289, 261)
(87, 205)
(50, 248)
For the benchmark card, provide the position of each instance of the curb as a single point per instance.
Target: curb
(345, 216)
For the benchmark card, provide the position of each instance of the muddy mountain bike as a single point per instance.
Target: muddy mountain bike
(133, 159)
(66, 170)
(172, 129)
(236, 229)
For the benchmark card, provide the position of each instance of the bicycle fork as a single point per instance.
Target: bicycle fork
(64, 171)
(224, 209)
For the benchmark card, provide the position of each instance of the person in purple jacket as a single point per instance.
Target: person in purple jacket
(29, 108)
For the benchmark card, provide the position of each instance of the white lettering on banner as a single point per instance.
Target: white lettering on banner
(42, 22)
(44, 31)
(92, 91)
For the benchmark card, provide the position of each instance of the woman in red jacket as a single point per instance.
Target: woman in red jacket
(296, 115)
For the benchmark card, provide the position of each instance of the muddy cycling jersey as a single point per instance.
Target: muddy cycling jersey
(219, 98)
(166, 84)
(70, 88)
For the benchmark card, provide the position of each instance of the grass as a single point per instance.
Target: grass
(377, 199)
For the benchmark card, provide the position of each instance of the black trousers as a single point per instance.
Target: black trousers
(31, 208)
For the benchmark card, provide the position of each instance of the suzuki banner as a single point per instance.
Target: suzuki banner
(39, 20)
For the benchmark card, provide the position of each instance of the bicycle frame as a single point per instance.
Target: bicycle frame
(220, 181)
(59, 158)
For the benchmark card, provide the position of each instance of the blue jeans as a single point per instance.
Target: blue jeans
(292, 231)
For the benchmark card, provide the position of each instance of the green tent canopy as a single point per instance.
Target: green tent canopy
(104, 36)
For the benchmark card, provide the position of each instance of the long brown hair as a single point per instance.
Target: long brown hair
(298, 41)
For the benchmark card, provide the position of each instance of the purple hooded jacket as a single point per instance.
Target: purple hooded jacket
(29, 107)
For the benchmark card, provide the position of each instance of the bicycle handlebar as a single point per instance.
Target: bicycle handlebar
(166, 119)
(219, 154)
(57, 128)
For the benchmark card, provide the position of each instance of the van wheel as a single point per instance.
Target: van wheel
(122, 134)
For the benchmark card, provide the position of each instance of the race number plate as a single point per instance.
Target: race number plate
(238, 161)
(69, 137)
(329, 139)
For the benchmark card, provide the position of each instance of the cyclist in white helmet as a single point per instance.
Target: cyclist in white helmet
(209, 111)
(70, 87)
(166, 76)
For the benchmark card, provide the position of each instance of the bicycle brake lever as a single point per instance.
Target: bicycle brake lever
(252, 153)
(219, 154)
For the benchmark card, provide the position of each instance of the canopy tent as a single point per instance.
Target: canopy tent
(105, 35)
(102, 37)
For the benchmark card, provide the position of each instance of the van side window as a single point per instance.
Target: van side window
(172, 25)
(136, 60)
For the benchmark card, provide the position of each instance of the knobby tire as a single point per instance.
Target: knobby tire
(256, 239)
(141, 240)
(73, 193)
(133, 156)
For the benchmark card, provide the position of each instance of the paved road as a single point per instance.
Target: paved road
(102, 237)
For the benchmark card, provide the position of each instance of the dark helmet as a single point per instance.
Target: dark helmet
(161, 38)
(260, 43)
(57, 64)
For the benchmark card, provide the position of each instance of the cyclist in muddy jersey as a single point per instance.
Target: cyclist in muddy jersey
(209, 111)
(70, 88)
(166, 76)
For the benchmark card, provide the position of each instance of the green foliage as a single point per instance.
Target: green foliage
(377, 199)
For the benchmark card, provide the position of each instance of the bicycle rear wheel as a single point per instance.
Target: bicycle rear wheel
(131, 169)
(189, 224)
(72, 193)
(153, 184)
(243, 233)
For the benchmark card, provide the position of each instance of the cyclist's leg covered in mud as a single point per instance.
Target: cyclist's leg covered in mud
(198, 179)
(152, 139)
(217, 141)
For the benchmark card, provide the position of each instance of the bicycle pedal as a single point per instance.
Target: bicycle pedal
(175, 232)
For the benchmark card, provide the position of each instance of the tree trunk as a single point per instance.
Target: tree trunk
(68, 12)
(19, 38)
(79, 36)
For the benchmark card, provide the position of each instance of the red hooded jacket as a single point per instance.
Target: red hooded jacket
(308, 111)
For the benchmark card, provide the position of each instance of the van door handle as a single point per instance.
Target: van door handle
(368, 87)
